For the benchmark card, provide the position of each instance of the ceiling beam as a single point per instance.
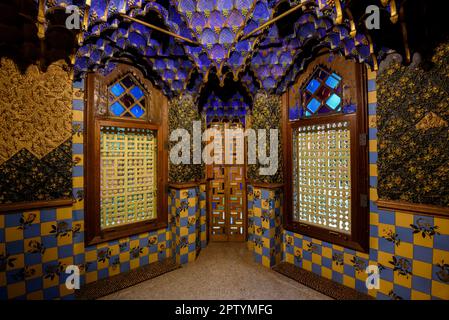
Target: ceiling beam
(152, 26)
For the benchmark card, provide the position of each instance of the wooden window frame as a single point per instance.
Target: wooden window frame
(359, 237)
(93, 123)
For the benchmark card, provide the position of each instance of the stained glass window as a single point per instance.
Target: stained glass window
(321, 94)
(127, 99)
(322, 175)
(128, 182)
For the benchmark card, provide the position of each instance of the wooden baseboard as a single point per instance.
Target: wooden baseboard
(412, 208)
(22, 206)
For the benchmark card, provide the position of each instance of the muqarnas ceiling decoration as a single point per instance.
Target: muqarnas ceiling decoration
(413, 131)
(212, 37)
(35, 133)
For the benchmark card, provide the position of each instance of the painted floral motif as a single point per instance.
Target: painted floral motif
(425, 228)
(84, 266)
(258, 242)
(24, 273)
(394, 296)
(61, 229)
(79, 196)
(181, 113)
(266, 215)
(6, 261)
(266, 114)
(123, 247)
(443, 273)
(191, 221)
(413, 131)
(115, 263)
(298, 255)
(392, 237)
(26, 221)
(36, 247)
(152, 241)
(135, 252)
(104, 254)
(338, 259)
(54, 270)
(289, 241)
(359, 264)
(402, 265)
(183, 242)
(312, 247)
(24, 177)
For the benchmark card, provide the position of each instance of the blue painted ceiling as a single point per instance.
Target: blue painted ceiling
(220, 68)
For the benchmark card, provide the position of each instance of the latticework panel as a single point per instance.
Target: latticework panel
(235, 201)
(218, 202)
(322, 175)
(128, 184)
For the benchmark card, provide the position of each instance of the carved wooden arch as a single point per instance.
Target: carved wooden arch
(102, 84)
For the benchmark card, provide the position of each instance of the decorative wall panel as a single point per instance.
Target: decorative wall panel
(181, 114)
(411, 251)
(266, 114)
(25, 178)
(265, 225)
(413, 122)
(35, 131)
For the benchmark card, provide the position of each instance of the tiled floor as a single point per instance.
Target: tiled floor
(222, 271)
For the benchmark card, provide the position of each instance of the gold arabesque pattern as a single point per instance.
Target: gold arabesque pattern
(35, 109)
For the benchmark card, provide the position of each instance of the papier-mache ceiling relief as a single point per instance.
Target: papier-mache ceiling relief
(35, 128)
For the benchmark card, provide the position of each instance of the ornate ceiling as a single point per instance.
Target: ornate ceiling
(205, 46)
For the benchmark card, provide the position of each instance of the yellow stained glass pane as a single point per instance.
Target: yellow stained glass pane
(128, 184)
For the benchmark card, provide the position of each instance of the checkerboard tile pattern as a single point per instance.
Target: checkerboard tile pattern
(203, 216)
(188, 223)
(412, 260)
(251, 229)
(266, 230)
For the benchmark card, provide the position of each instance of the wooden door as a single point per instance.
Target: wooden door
(227, 199)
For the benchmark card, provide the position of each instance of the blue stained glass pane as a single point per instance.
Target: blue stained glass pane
(117, 90)
(332, 82)
(117, 109)
(313, 105)
(313, 85)
(336, 76)
(137, 111)
(333, 101)
(137, 92)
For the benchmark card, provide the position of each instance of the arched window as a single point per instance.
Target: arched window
(328, 156)
(125, 180)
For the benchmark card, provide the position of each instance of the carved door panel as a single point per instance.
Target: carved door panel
(227, 200)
